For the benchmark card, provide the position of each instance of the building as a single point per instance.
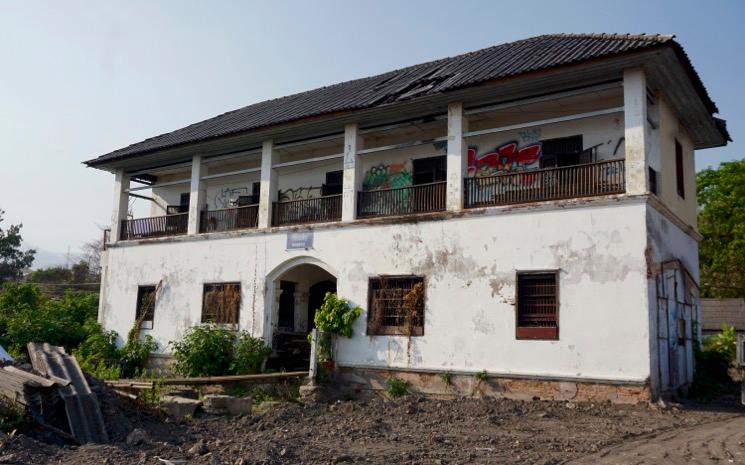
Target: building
(533, 202)
(718, 312)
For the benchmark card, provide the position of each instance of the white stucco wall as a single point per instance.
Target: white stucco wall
(469, 264)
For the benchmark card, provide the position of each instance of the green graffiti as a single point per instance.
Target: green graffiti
(384, 176)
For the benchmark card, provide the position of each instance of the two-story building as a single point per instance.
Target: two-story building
(528, 210)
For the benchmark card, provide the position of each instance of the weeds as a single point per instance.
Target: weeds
(396, 387)
(447, 378)
(481, 376)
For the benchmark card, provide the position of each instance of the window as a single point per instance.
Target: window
(221, 303)
(253, 199)
(537, 305)
(563, 151)
(679, 174)
(432, 169)
(182, 207)
(334, 183)
(652, 180)
(396, 306)
(145, 306)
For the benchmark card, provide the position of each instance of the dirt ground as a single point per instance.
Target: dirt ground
(407, 431)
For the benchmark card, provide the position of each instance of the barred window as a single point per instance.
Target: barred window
(221, 304)
(145, 306)
(537, 305)
(396, 306)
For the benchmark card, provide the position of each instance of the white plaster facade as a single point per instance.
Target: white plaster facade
(615, 254)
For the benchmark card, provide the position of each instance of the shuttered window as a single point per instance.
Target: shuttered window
(396, 306)
(537, 305)
(221, 304)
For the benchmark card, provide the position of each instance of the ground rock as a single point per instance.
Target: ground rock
(178, 406)
(137, 437)
(199, 448)
(220, 404)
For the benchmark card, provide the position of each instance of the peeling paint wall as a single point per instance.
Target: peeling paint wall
(470, 264)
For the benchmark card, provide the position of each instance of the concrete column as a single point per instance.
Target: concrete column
(198, 195)
(268, 195)
(635, 120)
(121, 204)
(457, 156)
(352, 172)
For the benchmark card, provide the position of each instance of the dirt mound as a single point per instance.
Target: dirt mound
(375, 431)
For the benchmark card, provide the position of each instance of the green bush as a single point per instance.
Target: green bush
(336, 316)
(29, 316)
(99, 346)
(205, 350)
(396, 387)
(724, 343)
(250, 353)
(713, 360)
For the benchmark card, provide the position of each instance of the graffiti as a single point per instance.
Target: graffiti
(227, 196)
(384, 176)
(530, 135)
(299, 193)
(508, 157)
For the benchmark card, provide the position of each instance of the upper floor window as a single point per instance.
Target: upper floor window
(563, 151)
(182, 207)
(431, 169)
(145, 306)
(537, 305)
(396, 306)
(334, 183)
(679, 172)
(253, 199)
(221, 303)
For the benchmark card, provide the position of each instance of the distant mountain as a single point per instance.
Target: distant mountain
(46, 259)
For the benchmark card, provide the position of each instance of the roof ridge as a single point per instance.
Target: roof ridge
(613, 36)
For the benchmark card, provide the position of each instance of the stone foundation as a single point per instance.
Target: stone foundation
(370, 380)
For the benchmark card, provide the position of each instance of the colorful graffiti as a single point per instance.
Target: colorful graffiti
(385, 176)
(508, 157)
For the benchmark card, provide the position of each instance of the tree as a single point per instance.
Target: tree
(12, 259)
(721, 219)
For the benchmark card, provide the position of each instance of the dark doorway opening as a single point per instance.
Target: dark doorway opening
(316, 294)
(428, 170)
(286, 320)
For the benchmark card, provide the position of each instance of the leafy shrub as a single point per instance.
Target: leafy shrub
(249, 354)
(396, 387)
(724, 343)
(481, 376)
(205, 350)
(713, 360)
(447, 378)
(99, 346)
(28, 316)
(336, 316)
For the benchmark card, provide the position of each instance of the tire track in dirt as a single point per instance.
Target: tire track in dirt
(718, 442)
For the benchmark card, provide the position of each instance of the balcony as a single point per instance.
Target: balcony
(229, 219)
(422, 198)
(304, 211)
(156, 226)
(586, 180)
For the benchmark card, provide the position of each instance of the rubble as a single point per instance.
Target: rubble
(219, 404)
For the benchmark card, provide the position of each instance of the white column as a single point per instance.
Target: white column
(268, 194)
(635, 120)
(457, 156)
(352, 172)
(198, 195)
(121, 204)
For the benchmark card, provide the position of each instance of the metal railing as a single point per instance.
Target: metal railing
(422, 198)
(586, 180)
(156, 226)
(229, 219)
(315, 210)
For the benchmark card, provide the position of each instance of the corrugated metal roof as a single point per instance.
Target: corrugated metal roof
(439, 76)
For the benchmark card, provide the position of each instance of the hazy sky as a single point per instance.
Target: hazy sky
(79, 79)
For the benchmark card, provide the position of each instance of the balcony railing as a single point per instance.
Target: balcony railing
(586, 180)
(316, 210)
(229, 219)
(422, 198)
(157, 226)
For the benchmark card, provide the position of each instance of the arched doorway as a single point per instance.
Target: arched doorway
(297, 289)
